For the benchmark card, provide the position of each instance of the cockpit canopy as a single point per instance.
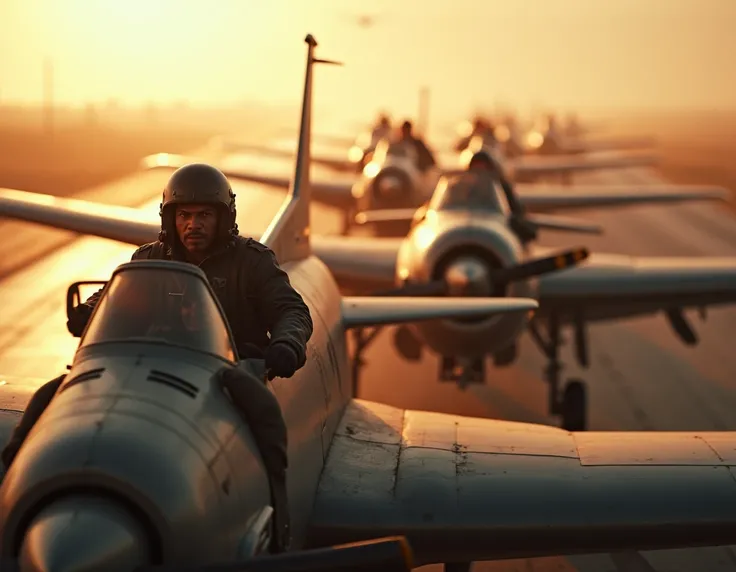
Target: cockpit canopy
(396, 149)
(160, 302)
(473, 191)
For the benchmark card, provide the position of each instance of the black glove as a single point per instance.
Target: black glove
(78, 320)
(281, 360)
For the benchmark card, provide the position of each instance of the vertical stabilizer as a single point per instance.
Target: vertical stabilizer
(288, 233)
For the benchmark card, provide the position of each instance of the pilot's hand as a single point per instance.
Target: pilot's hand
(281, 360)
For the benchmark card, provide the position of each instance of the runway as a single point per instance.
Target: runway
(641, 376)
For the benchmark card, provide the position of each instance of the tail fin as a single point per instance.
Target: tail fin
(288, 233)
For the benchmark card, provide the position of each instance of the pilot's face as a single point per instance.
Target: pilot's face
(196, 226)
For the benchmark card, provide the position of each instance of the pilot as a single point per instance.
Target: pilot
(382, 129)
(483, 162)
(425, 158)
(198, 226)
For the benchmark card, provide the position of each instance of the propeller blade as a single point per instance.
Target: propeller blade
(540, 266)
(522, 271)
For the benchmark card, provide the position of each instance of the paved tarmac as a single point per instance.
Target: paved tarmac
(641, 377)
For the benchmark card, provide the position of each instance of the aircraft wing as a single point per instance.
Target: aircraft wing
(334, 163)
(543, 198)
(15, 395)
(106, 221)
(618, 144)
(610, 286)
(541, 166)
(464, 489)
(337, 194)
(362, 311)
(365, 262)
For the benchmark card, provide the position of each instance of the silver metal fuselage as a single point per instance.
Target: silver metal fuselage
(447, 236)
(188, 464)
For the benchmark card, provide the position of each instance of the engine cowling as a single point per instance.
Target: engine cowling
(465, 260)
(391, 187)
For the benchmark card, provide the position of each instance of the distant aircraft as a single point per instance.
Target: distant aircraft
(393, 179)
(459, 245)
(552, 139)
(141, 452)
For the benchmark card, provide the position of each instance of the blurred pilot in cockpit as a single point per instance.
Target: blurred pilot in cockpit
(382, 128)
(482, 162)
(425, 158)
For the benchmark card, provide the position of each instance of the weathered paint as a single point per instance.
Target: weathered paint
(480, 489)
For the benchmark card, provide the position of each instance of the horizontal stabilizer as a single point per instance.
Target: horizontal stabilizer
(106, 221)
(363, 311)
(568, 224)
(539, 198)
(384, 215)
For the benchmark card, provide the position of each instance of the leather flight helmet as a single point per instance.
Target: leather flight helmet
(198, 183)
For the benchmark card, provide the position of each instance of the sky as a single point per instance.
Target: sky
(527, 54)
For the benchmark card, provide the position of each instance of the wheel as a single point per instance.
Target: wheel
(458, 566)
(506, 356)
(574, 406)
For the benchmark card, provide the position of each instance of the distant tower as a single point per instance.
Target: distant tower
(48, 97)
(423, 112)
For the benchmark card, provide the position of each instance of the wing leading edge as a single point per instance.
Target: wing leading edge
(368, 262)
(545, 198)
(541, 166)
(125, 224)
(611, 286)
(464, 489)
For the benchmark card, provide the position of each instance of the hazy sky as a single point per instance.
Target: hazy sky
(529, 53)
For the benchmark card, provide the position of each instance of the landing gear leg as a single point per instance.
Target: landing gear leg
(572, 404)
(362, 341)
(463, 371)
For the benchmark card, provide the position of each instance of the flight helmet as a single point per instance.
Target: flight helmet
(198, 183)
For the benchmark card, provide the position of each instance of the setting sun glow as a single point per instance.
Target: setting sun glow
(532, 54)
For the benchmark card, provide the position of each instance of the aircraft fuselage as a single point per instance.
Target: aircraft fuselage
(470, 244)
(193, 492)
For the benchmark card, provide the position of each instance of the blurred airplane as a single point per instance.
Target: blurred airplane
(360, 148)
(468, 242)
(552, 139)
(395, 177)
(528, 169)
(141, 462)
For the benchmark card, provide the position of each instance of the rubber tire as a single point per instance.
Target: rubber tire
(506, 356)
(574, 406)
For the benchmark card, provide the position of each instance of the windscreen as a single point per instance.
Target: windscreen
(163, 305)
(401, 149)
(471, 191)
